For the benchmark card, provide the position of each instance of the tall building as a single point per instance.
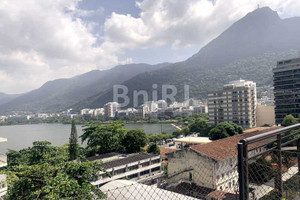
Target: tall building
(111, 108)
(236, 103)
(287, 88)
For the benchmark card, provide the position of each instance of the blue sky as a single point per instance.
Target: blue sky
(48, 40)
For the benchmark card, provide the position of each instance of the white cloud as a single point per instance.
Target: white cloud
(42, 40)
(182, 23)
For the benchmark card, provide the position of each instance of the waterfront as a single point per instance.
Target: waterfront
(22, 136)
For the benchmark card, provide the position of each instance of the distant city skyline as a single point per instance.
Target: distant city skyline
(47, 40)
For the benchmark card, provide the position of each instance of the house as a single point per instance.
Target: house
(212, 165)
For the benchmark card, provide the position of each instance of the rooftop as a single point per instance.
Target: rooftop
(193, 140)
(227, 147)
(3, 139)
(101, 156)
(164, 151)
(127, 160)
(125, 190)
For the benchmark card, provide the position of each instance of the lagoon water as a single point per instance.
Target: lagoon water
(22, 136)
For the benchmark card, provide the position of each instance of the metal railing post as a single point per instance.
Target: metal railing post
(298, 154)
(278, 176)
(246, 165)
(243, 171)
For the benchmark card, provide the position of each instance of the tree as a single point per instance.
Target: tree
(153, 148)
(134, 140)
(223, 130)
(218, 133)
(160, 136)
(177, 133)
(199, 125)
(73, 144)
(289, 120)
(49, 175)
(104, 138)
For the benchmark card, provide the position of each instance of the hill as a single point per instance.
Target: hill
(248, 49)
(4, 98)
(60, 94)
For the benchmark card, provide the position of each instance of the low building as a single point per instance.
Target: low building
(99, 111)
(191, 141)
(163, 153)
(265, 115)
(128, 190)
(85, 111)
(212, 165)
(127, 112)
(3, 185)
(3, 118)
(3, 163)
(137, 167)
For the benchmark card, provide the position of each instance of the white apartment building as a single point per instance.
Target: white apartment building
(162, 104)
(99, 111)
(85, 111)
(213, 165)
(111, 108)
(3, 118)
(136, 167)
(150, 106)
(236, 103)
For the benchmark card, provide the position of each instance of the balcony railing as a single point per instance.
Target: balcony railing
(272, 172)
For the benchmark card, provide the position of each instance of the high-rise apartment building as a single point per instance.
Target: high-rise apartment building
(287, 88)
(236, 103)
(111, 108)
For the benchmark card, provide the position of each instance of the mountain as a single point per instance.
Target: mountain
(248, 49)
(4, 98)
(60, 94)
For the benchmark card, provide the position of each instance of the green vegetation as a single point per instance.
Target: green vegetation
(289, 120)
(159, 136)
(113, 137)
(224, 130)
(73, 144)
(193, 124)
(134, 140)
(45, 172)
(103, 138)
(153, 148)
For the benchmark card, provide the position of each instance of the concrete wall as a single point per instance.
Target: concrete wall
(206, 172)
(265, 115)
(186, 164)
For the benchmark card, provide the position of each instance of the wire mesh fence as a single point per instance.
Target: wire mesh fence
(270, 166)
(188, 176)
(270, 171)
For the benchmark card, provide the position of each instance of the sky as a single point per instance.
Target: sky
(47, 40)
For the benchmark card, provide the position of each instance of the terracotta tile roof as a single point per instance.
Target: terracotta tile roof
(164, 151)
(219, 195)
(227, 147)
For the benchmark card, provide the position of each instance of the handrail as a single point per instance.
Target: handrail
(256, 138)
